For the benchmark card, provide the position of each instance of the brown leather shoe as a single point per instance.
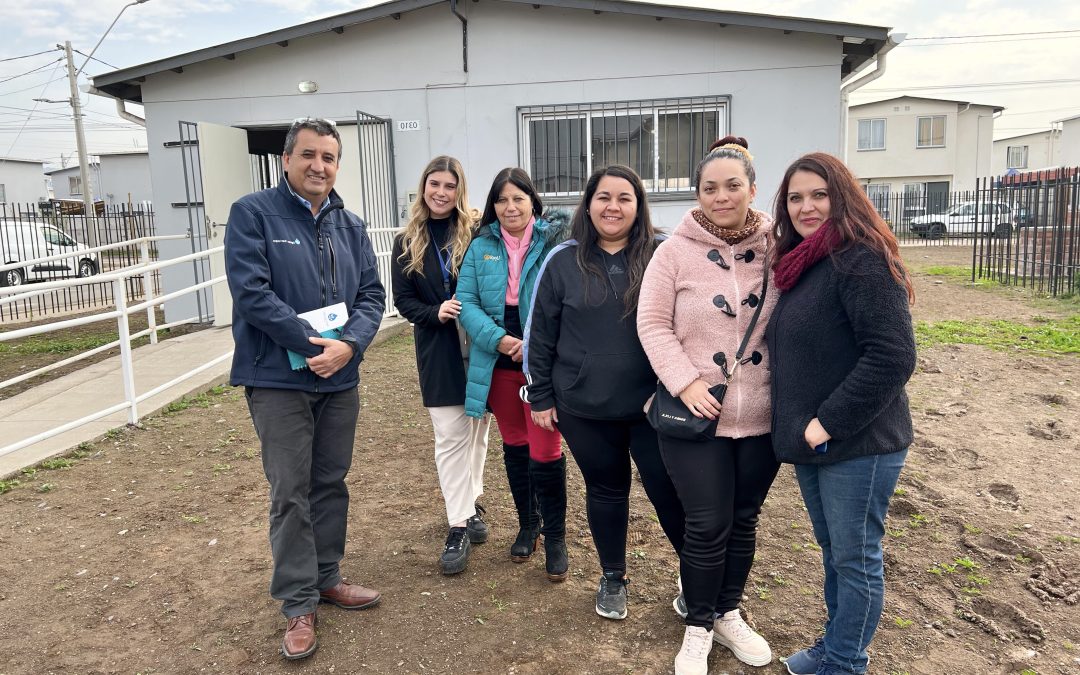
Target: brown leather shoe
(300, 641)
(350, 596)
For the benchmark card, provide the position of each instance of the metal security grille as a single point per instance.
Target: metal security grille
(661, 139)
(378, 192)
(195, 211)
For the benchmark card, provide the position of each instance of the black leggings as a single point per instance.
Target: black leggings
(603, 449)
(722, 484)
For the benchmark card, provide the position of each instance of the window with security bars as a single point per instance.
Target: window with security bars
(662, 140)
(1017, 157)
(930, 132)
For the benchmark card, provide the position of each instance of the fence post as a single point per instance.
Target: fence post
(127, 369)
(148, 290)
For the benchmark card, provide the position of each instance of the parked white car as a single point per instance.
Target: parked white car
(966, 219)
(21, 241)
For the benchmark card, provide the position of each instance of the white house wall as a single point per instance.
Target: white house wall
(965, 156)
(1044, 150)
(783, 88)
(125, 178)
(24, 183)
(1070, 142)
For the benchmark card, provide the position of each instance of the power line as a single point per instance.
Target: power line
(46, 83)
(94, 58)
(26, 56)
(36, 103)
(1017, 83)
(29, 72)
(958, 37)
(988, 42)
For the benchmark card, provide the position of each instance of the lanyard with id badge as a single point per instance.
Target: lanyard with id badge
(444, 267)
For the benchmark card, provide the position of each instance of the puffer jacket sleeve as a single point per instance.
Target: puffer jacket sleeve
(877, 309)
(656, 322)
(254, 300)
(483, 330)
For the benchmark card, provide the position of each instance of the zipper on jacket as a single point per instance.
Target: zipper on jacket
(318, 238)
(333, 266)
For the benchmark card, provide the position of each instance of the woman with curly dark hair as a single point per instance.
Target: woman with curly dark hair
(842, 349)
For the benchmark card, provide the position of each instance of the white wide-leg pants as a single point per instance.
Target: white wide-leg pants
(460, 451)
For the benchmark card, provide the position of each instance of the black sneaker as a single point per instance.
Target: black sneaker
(455, 555)
(611, 598)
(478, 529)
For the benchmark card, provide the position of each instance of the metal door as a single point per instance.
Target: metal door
(225, 165)
(378, 192)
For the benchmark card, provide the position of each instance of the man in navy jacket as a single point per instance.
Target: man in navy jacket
(289, 250)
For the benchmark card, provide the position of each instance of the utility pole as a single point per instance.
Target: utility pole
(80, 141)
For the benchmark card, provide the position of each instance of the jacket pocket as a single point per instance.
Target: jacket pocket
(609, 386)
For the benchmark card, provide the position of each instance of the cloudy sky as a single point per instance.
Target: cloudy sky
(1036, 76)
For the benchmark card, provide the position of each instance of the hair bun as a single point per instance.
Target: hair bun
(730, 140)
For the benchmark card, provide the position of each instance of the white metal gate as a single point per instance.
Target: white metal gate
(378, 192)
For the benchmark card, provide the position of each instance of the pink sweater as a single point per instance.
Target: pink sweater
(683, 330)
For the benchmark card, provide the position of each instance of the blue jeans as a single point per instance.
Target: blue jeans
(847, 502)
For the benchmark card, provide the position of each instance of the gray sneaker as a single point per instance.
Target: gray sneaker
(679, 603)
(455, 555)
(477, 528)
(611, 597)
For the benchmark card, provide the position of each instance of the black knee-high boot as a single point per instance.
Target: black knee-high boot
(516, 458)
(549, 483)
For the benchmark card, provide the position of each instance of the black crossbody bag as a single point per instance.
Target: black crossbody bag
(670, 416)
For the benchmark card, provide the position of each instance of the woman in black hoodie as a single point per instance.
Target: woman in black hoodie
(588, 374)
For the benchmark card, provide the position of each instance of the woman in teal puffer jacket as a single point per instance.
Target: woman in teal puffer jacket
(495, 288)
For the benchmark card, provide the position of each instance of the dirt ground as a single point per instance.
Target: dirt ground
(150, 554)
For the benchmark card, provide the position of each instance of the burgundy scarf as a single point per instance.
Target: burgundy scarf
(801, 258)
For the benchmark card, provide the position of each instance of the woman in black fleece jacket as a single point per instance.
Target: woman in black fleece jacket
(841, 348)
(588, 374)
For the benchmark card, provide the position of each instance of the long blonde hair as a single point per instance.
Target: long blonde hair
(416, 237)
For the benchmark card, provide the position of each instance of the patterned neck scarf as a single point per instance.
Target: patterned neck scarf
(753, 221)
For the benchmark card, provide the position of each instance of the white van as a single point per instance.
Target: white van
(21, 241)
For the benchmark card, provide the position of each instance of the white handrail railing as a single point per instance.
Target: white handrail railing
(121, 313)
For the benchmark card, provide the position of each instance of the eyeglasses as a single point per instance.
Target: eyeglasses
(313, 120)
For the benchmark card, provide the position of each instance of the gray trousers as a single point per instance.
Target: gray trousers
(307, 447)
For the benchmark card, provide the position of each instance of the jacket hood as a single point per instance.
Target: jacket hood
(553, 225)
(689, 228)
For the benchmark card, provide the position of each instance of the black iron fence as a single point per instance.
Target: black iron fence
(1042, 250)
(943, 218)
(28, 232)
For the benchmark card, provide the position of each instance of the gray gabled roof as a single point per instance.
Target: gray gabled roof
(997, 108)
(864, 43)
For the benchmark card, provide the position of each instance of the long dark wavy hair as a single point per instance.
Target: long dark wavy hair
(518, 177)
(851, 213)
(639, 247)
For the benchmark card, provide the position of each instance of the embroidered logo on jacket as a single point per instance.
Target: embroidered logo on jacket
(488, 256)
(294, 242)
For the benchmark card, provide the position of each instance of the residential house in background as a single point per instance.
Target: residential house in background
(125, 179)
(1070, 140)
(1027, 152)
(67, 182)
(456, 78)
(919, 148)
(22, 182)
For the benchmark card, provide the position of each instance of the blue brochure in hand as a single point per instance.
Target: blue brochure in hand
(328, 321)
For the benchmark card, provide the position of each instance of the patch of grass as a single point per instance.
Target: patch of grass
(953, 273)
(763, 593)
(197, 401)
(902, 622)
(967, 563)
(917, 520)
(971, 529)
(192, 519)
(899, 492)
(811, 546)
(8, 485)
(977, 580)
(1022, 559)
(28, 471)
(55, 345)
(57, 463)
(1054, 336)
(45, 487)
(1066, 539)
(779, 579)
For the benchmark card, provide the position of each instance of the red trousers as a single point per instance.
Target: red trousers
(515, 419)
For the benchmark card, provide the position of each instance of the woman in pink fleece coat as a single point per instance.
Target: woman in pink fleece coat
(697, 299)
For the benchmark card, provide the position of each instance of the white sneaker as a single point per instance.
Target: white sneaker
(732, 632)
(693, 658)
